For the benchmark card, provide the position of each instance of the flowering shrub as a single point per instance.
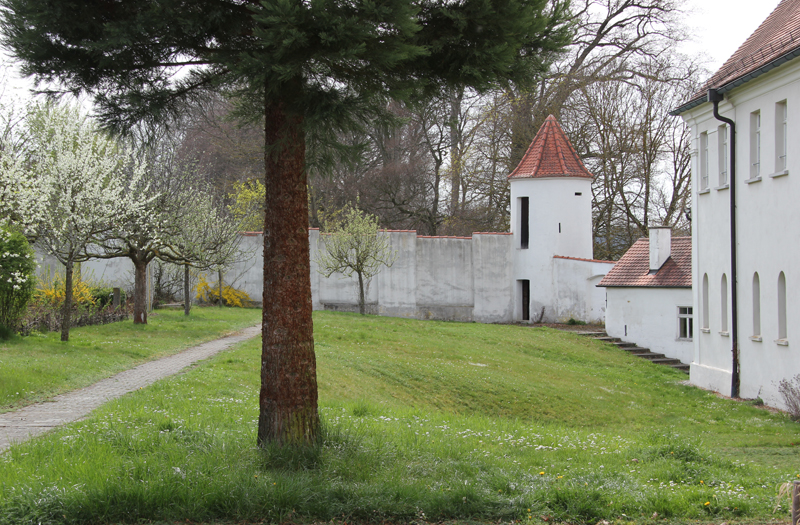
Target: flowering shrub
(209, 294)
(91, 304)
(52, 289)
(16, 277)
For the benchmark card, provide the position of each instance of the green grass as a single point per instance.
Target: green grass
(39, 366)
(424, 421)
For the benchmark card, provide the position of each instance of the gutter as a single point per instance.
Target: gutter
(766, 68)
(715, 97)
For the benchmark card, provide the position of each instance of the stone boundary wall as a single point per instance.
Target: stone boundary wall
(446, 278)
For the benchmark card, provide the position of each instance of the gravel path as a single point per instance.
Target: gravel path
(23, 424)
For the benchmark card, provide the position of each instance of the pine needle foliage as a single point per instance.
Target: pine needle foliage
(308, 70)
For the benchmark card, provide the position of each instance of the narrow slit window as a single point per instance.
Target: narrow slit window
(780, 136)
(722, 154)
(703, 160)
(526, 299)
(782, 306)
(705, 321)
(756, 305)
(755, 144)
(723, 311)
(524, 226)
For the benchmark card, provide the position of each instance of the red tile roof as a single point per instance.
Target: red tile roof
(550, 155)
(633, 269)
(776, 37)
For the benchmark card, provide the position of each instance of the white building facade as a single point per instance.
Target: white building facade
(760, 91)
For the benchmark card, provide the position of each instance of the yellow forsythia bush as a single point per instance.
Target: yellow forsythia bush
(209, 293)
(51, 290)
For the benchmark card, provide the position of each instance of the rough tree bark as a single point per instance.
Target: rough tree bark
(187, 299)
(139, 292)
(288, 398)
(66, 315)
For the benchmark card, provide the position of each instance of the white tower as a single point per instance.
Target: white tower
(551, 216)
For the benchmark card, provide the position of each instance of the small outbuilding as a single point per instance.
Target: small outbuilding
(649, 295)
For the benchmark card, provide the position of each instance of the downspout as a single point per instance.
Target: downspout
(715, 98)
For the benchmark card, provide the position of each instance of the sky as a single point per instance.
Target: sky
(719, 28)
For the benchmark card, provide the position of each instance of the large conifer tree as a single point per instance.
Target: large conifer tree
(310, 68)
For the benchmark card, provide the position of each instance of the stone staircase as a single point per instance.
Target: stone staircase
(633, 349)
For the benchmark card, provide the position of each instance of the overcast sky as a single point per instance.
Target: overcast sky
(719, 26)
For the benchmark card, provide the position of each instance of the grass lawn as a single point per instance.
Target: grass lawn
(424, 421)
(39, 366)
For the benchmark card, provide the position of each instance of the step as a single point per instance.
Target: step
(666, 361)
(683, 367)
(593, 334)
(636, 350)
(625, 345)
(608, 339)
(650, 356)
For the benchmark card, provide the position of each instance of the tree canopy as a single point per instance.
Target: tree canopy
(307, 69)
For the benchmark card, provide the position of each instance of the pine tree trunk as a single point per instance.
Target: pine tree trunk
(139, 292)
(187, 299)
(66, 315)
(288, 399)
(362, 301)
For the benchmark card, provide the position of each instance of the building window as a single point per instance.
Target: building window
(705, 321)
(685, 322)
(723, 310)
(782, 307)
(524, 224)
(703, 161)
(525, 292)
(722, 154)
(756, 306)
(780, 136)
(755, 144)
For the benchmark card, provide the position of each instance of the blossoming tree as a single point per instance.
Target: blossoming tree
(67, 188)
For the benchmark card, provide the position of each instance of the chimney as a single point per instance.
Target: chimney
(660, 244)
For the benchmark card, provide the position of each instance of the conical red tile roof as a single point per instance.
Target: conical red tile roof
(550, 155)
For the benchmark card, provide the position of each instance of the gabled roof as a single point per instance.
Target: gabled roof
(633, 269)
(775, 42)
(550, 155)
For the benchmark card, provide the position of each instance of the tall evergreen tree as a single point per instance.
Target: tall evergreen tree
(310, 69)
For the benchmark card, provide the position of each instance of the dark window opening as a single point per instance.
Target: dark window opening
(526, 300)
(559, 227)
(578, 194)
(524, 223)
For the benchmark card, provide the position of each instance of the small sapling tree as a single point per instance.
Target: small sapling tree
(352, 245)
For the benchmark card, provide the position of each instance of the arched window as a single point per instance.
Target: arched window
(756, 305)
(782, 306)
(706, 323)
(723, 310)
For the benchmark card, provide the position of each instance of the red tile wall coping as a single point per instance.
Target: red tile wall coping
(579, 259)
(442, 237)
(254, 234)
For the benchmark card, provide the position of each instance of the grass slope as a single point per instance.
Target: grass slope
(39, 366)
(425, 421)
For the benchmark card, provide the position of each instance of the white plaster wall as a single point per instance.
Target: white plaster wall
(649, 318)
(560, 224)
(492, 278)
(397, 285)
(577, 295)
(768, 220)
